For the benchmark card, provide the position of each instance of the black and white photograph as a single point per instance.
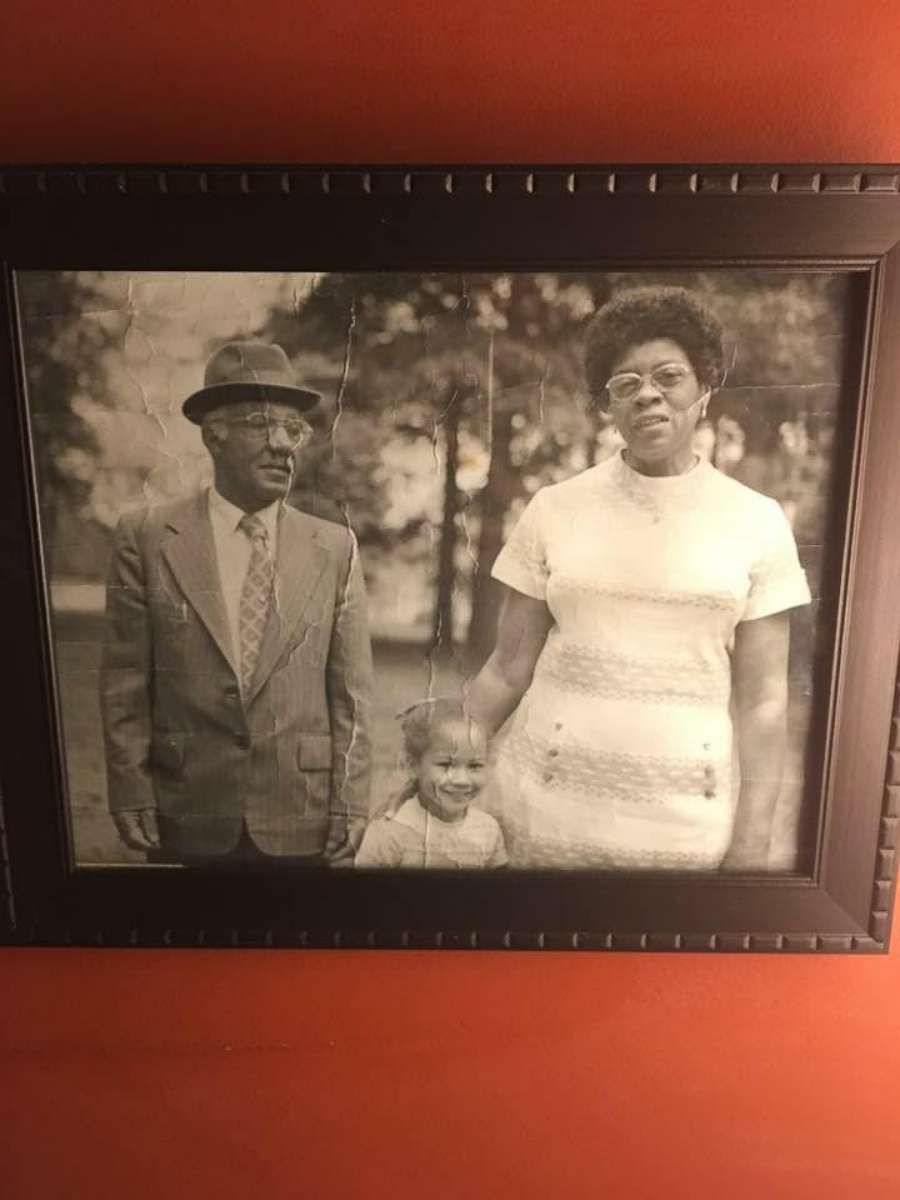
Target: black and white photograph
(493, 571)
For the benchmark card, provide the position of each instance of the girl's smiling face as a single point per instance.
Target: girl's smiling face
(452, 771)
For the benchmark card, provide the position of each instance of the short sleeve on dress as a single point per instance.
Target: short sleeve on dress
(777, 581)
(522, 563)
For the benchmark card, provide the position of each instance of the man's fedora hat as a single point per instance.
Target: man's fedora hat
(253, 370)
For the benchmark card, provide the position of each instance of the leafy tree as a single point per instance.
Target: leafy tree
(64, 334)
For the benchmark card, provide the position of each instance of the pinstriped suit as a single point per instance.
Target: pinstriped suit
(291, 758)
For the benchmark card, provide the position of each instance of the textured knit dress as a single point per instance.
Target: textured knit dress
(620, 753)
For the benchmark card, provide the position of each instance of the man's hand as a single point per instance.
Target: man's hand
(344, 836)
(138, 829)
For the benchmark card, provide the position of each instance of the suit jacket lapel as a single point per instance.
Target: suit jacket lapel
(299, 564)
(191, 554)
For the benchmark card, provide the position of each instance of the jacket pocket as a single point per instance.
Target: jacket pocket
(167, 754)
(314, 752)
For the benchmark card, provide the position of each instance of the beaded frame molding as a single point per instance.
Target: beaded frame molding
(466, 218)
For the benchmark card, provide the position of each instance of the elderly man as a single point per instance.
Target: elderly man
(236, 677)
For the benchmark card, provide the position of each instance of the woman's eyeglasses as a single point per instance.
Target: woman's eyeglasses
(667, 379)
(261, 426)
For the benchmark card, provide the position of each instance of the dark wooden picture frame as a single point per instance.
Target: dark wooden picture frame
(612, 218)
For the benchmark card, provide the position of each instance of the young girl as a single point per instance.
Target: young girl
(433, 823)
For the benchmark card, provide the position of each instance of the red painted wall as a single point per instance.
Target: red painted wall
(153, 1074)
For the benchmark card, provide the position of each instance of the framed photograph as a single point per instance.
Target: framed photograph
(451, 557)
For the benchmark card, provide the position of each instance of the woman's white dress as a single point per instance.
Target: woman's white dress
(620, 753)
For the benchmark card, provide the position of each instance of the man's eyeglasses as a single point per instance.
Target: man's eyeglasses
(668, 379)
(261, 426)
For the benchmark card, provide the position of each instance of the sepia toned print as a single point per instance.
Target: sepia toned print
(650, 535)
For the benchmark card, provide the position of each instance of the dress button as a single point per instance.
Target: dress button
(548, 776)
(558, 725)
(242, 741)
(553, 753)
(231, 691)
(709, 793)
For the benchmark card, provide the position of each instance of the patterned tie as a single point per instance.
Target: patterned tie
(256, 595)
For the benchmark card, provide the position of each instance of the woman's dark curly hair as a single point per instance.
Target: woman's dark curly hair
(644, 314)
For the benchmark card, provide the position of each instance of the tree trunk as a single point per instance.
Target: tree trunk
(442, 622)
(501, 489)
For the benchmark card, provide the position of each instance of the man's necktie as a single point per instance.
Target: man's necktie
(256, 595)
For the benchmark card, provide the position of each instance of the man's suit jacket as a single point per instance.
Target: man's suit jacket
(291, 758)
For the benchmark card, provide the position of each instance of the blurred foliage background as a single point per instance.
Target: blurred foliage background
(449, 399)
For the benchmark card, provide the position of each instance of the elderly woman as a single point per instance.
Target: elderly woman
(645, 612)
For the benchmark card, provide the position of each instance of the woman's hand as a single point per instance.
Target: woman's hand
(503, 680)
(759, 672)
(747, 859)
